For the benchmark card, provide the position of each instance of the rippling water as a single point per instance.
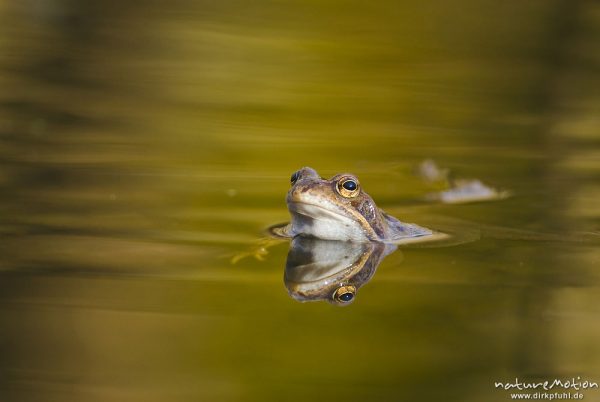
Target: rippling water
(145, 149)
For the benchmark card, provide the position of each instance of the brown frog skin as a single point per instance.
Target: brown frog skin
(339, 209)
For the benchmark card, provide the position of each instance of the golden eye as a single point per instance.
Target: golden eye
(344, 294)
(348, 187)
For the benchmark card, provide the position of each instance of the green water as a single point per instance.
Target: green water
(145, 146)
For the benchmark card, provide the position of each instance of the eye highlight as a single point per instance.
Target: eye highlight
(295, 177)
(348, 187)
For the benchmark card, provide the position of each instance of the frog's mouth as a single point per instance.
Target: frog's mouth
(324, 223)
(320, 213)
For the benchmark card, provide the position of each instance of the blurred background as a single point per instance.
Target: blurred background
(144, 145)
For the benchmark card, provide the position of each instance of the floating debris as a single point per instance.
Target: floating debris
(429, 171)
(468, 190)
(458, 191)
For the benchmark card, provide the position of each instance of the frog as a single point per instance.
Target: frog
(339, 209)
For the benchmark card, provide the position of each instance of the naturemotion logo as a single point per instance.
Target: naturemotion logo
(569, 388)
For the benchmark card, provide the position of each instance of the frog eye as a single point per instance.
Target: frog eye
(344, 294)
(348, 187)
(295, 177)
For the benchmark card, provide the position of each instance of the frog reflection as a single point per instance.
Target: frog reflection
(331, 270)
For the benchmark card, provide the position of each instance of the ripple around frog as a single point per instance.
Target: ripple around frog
(451, 232)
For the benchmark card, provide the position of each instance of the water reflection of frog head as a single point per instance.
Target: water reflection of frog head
(331, 270)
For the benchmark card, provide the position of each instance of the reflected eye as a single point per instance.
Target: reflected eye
(295, 177)
(348, 187)
(344, 294)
